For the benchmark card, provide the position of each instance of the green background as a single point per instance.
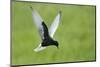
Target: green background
(75, 34)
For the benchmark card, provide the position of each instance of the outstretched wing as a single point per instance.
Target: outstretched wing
(55, 24)
(39, 48)
(38, 22)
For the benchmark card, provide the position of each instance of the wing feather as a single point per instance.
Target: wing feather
(38, 22)
(55, 24)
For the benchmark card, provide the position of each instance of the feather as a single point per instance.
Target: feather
(55, 24)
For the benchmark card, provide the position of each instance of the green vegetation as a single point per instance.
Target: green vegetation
(75, 34)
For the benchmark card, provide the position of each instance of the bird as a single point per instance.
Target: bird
(45, 34)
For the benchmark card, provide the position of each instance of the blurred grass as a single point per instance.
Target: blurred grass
(75, 34)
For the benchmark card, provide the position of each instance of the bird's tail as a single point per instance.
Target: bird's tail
(39, 49)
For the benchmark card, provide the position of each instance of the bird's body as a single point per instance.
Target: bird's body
(46, 35)
(47, 41)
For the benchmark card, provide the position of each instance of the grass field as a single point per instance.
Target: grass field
(75, 34)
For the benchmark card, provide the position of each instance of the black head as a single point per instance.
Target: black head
(56, 44)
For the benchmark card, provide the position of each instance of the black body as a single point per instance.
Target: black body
(47, 41)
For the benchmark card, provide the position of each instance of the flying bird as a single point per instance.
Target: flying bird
(45, 34)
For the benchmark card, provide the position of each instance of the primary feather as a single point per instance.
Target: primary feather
(55, 24)
(39, 48)
(38, 22)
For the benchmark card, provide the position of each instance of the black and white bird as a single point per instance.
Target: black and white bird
(46, 35)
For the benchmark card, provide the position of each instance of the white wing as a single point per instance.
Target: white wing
(38, 22)
(39, 48)
(55, 24)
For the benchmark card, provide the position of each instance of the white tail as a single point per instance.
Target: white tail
(39, 49)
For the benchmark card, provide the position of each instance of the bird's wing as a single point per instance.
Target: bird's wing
(39, 48)
(38, 22)
(55, 24)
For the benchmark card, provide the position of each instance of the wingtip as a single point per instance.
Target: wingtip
(35, 50)
(31, 8)
(39, 49)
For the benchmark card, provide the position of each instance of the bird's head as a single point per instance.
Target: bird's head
(56, 44)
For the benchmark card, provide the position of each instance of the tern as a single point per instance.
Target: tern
(45, 34)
